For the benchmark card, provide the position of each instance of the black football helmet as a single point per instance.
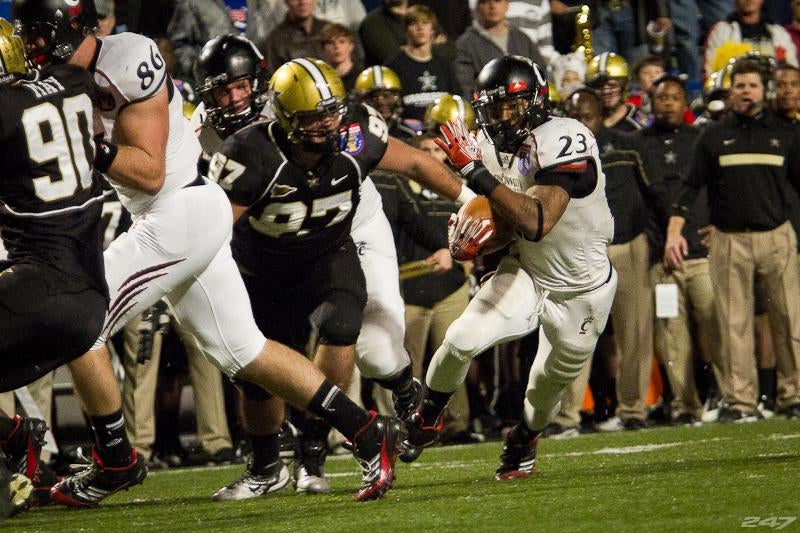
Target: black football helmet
(225, 59)
(510, 100)
(53, 29)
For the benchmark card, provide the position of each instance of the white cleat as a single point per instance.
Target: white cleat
(252, 485)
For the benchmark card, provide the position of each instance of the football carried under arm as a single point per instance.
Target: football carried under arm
(534, 212)
(476, 230)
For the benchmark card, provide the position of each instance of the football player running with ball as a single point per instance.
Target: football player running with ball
(542, 174)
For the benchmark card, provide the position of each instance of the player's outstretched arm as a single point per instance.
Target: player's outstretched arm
(138, 160)
(425, 169)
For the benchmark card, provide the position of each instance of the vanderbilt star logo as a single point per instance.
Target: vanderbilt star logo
(428, 82)
(608, 147)
(775, 143)
(670, 157)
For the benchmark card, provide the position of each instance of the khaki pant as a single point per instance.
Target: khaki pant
(42, 392)
(427, 326)
(632, 318)
(138, 398)
(674, 336)
(736, 260)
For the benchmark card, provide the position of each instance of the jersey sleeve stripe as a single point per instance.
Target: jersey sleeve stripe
(579, 163)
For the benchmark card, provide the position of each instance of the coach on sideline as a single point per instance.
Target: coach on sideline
(747, 161)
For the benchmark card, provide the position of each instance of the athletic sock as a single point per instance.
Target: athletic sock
(401, 384)
(266, 452)
(433, 405)
(332, 405)
(111, 441)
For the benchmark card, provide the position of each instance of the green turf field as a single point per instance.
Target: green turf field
(712, 478)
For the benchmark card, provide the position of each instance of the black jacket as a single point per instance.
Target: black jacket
(749, 165)
(667, 155)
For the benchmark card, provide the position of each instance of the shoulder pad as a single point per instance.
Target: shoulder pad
(132, 64)
(564, 143)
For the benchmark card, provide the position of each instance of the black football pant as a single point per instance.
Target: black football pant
(42, 325)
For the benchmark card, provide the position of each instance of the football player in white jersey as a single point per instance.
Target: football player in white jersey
(230, 82)
(542, 174)
(178, 247)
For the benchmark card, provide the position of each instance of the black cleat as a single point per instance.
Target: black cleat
(419, 437)
(375, 447)
(406, 404)
(96, 482)
(15, 491)
(518, 459)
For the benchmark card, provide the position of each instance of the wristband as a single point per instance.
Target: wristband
(481, 179)
(104, 156)
(465, 195)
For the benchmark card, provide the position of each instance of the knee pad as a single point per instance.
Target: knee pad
(338, 319)
(253, 392)
(464, 339)
(566, 362)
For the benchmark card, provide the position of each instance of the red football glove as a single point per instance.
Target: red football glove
(460, 146)
(467, 236)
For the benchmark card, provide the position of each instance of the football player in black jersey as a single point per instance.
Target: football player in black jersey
(294, 185)
(53, 294)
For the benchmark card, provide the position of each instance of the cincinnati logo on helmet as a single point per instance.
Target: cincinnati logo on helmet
(517, 86)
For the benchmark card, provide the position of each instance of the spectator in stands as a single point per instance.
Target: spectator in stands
(747, 29)
(685, 16)
(713, 11)
(666, 150)
(645, 72)
(338, 45)
(349, 13)
(194, 22)
(787, 92)
(533, 18)
(383, 31)
(621, 25)
(568, 73)
(297, 36)
(747, 161)
(608, 75)
(423, 76)
(454, 16)
(491, 36)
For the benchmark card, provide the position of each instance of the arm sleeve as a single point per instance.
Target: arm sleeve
(415, 224)
(569, 180)
(695, 179)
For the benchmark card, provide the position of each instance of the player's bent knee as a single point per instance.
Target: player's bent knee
(464, 340)
(338, 319)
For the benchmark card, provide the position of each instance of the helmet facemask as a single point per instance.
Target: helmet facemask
(318, 131)
(508, 119)
(230, 117)
(385, 101)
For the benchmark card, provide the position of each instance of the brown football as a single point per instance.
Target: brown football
(481, 209)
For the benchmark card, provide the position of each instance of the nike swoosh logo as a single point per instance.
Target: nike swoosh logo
(338, 180)
(728, 142)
